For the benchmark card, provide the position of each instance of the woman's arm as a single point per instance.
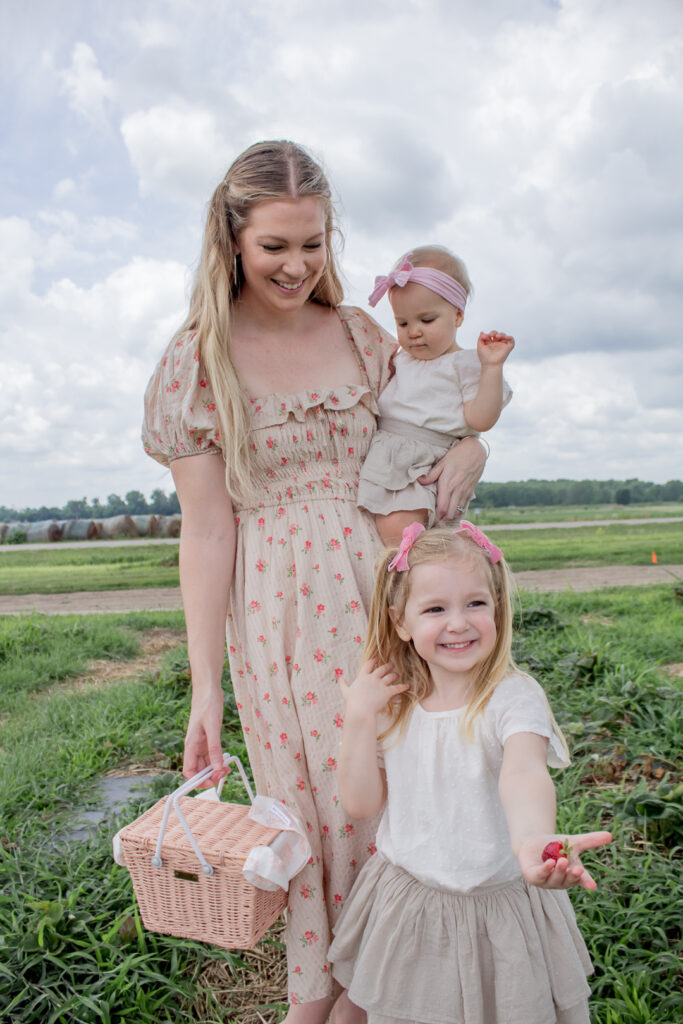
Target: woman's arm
(362, 783)
(528, 797)
(207, 558)
(456, 476)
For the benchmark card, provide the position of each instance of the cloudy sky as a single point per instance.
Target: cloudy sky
(539, 139)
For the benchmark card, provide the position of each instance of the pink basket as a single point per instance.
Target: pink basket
(186, 868)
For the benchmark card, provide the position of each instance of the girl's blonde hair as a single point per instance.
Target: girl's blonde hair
(388, 606)
(266, 171)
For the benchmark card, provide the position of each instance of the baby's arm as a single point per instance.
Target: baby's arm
(528, 797)
(482, 411)
(362, 783)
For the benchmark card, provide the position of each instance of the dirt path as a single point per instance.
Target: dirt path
(168, 599)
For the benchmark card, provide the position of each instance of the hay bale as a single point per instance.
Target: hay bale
(147, 526)
(79, 529)
(42, 531)
(16, 532)
(168, 526)
(118, 526)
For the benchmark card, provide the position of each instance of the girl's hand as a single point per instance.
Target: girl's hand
(371, 690)
(203, 738)
(457, 474)
(494, 348)
(564, 872)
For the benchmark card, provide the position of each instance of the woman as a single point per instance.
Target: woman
(271, 386)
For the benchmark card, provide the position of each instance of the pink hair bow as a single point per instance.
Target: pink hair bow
(480, 538)
(400, 276)
(408, 538)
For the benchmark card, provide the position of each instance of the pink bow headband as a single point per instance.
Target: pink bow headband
(443, 284)
(410, 534)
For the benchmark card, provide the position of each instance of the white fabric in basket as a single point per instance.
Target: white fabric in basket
(272, 867)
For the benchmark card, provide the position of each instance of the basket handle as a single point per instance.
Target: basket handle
(183, 790)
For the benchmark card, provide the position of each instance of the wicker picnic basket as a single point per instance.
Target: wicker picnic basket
(185, 856)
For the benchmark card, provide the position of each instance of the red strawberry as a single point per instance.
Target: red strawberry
(555, 850)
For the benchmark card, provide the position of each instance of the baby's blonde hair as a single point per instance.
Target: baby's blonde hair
(266, 171)
(439, 258)
(390, 595)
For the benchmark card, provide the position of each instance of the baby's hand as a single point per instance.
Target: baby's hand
(494, 348)
(371, 690)
(564, 871)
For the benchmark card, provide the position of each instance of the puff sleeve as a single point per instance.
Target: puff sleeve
(180, 410)
(374, 345)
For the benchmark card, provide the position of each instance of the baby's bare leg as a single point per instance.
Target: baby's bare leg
(390, 527)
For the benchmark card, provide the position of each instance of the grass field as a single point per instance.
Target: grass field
(64, 570)
(573, 513)
(72, 948)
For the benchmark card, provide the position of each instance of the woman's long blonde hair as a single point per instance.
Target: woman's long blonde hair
(266, 171)
(388, 606)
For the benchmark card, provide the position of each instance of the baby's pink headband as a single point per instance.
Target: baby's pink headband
(412, 532)
(444, 285)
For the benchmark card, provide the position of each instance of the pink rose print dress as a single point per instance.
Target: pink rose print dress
(297, 616)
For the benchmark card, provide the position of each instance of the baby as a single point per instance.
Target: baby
(439, 393)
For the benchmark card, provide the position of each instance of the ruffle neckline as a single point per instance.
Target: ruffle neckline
(273, 410)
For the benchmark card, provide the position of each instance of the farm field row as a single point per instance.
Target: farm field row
(134, 565)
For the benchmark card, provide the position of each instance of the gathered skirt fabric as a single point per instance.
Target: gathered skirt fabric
(389, 477)
(413, 954)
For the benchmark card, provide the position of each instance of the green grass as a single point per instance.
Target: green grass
(65, 570)
(618, 544)
(572, 513)
(72, 950)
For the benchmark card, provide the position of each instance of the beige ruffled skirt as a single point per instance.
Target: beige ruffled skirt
(412, 954)
(389, 476)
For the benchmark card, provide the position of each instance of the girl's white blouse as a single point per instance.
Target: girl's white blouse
(444, 821)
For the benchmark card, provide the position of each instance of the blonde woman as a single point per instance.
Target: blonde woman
(264, 405)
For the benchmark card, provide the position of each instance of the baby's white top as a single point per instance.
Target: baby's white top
(431, 392)
(444, 821)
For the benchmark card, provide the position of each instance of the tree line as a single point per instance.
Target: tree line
(518, 493)
(134, 504)
(522, 493)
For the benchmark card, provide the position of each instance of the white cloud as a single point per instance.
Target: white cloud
(176, 149)
(86, 88)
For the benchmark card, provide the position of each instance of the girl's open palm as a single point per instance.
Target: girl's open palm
(371, 690)
(494, 348)
(564, 872)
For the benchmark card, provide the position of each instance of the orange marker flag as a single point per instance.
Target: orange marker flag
(654, 558)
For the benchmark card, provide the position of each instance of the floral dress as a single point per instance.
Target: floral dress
(297, 615)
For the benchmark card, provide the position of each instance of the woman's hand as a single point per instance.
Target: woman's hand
(564, 872)
(203, 737)
(456, 476)
(371, 690)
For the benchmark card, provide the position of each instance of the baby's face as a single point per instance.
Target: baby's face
(426, 324)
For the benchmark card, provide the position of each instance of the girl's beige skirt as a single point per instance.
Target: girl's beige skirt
(411, 954)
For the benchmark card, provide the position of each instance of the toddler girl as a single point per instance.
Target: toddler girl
(457, 919)
(438, 393)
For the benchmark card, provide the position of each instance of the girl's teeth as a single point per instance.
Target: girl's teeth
(289, 287)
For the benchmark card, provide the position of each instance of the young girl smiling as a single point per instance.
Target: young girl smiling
(458, 918)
